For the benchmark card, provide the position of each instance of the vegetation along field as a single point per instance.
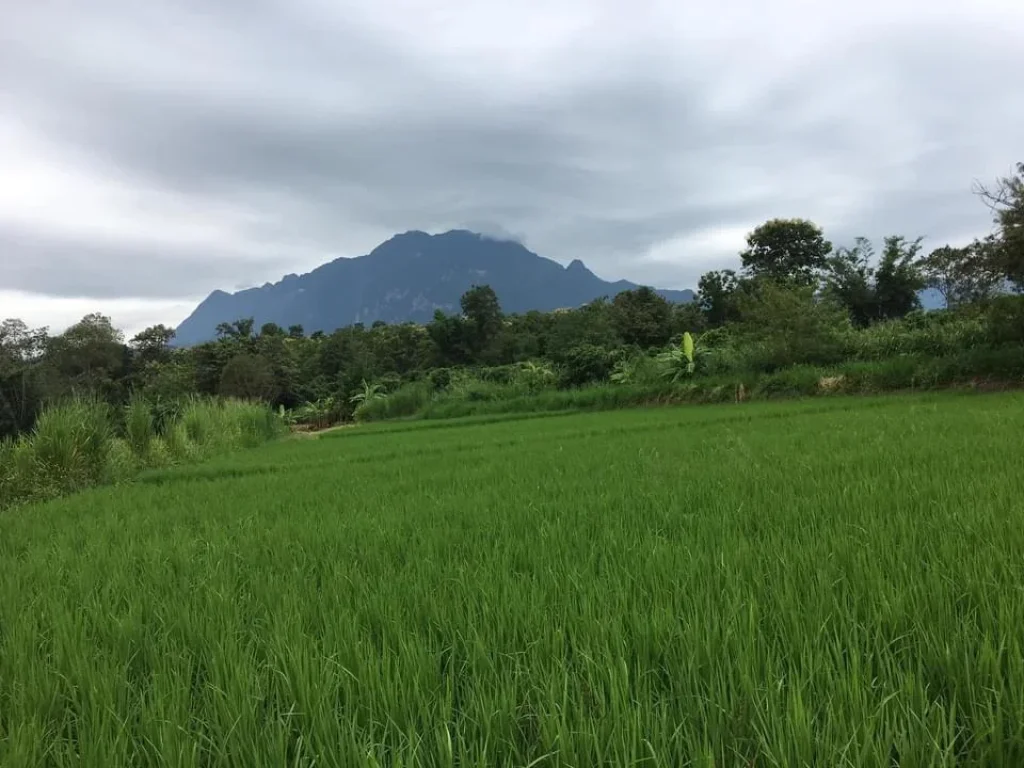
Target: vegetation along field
(831, 582)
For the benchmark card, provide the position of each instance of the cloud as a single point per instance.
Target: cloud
(155, 151)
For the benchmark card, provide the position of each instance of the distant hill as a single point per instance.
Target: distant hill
(407, 278)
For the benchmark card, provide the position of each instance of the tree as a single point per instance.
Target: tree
(583, 364)
(790, 251)
(898, 279)
(688, 316)
(153, 344)
(21, 396)
(90, 356)
(963, 275)
(248, 377)
(871, 292)
(482, 311)
(716, 296)
(789, 325)
(296, 331)
(1006, 201)
(849, 280)
(239, 330)
(592, 324)
(449, 336)
(642, 317)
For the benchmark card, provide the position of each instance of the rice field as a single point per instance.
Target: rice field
(827, 583)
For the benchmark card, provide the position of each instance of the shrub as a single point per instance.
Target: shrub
(938, 334)
(584, 364)
(798, 381)
(405, 401)
(1004, 320)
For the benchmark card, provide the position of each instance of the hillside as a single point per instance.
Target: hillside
(407, 278)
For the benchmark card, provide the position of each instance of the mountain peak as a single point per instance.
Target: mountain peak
(407, 278)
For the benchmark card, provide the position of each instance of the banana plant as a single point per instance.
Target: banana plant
(370, 393)
(678, 363)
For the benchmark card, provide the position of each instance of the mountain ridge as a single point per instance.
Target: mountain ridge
(407, 278)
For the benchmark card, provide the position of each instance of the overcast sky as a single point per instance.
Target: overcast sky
(154, 150)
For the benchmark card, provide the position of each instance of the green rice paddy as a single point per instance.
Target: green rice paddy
(827, 583)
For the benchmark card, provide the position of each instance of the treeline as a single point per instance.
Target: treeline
(796, 301)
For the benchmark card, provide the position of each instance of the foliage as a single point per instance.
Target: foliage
(642, 317)
(962, 275)
(368, 393)
(790, 251)
(875, 293)
(248, 377)
(584, 364)
(716, 296)
(1006, 248)
(785, 308)
(678, 363)
(784, 326)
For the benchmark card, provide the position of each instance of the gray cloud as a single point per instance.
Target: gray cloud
(643, 142)
(65, 266)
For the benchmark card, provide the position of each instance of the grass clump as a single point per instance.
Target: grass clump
(79, 442)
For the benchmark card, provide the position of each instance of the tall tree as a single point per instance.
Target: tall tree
(482, 311)
(152, 345)
(898, 278)
(239, 330)
(963, 275)
(849, 280)
(90, 356)
(250, 377)
(1006, 201)
(21, 396)
(716, 296)
(792, 251)
(642, 317)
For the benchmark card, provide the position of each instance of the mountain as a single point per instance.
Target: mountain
(407, 278)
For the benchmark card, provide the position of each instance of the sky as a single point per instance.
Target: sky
(151, 152)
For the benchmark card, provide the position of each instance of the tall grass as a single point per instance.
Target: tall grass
(830, 583)
(79, 443)
(139, 425)
(70, 444)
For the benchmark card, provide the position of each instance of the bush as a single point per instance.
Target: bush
(798, 381)
(405, 401)
(584, 364)
(1004, 320)
(783, 327)
(882, 376)
(936, 334)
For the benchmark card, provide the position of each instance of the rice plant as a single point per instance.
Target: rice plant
(830, 582)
